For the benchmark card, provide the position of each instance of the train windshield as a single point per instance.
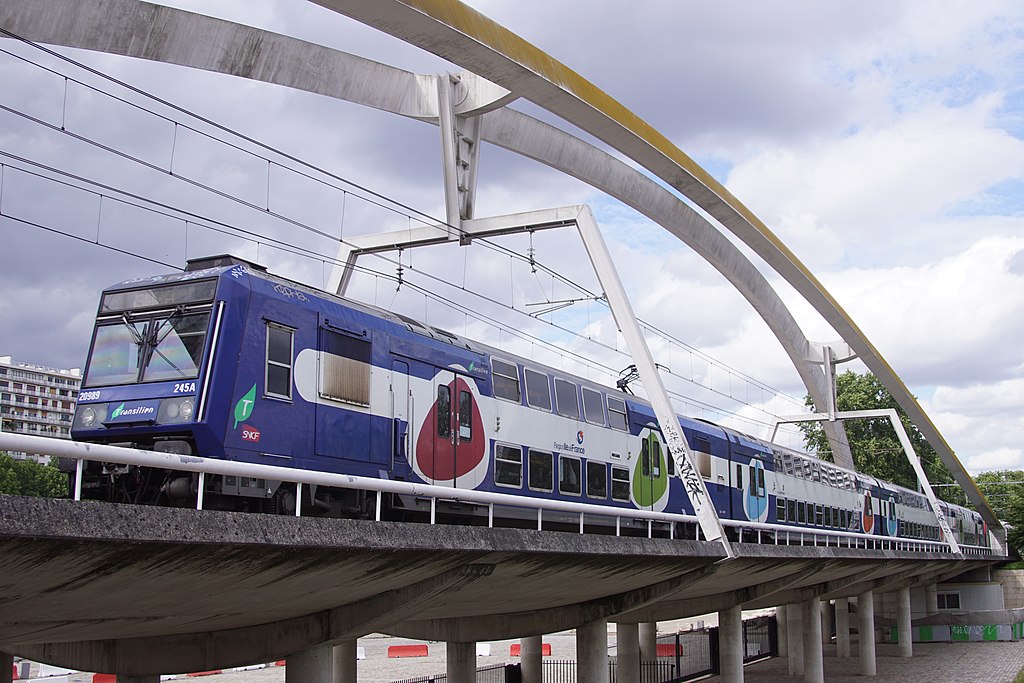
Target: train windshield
(140, 339)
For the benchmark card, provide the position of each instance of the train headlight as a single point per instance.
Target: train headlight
(178, 409)
(91, 416)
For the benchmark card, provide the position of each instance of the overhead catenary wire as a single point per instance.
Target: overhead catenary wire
(378, 198)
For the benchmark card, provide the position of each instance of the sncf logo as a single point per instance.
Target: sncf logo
(250, 433)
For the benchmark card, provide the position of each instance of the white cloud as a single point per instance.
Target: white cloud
(858, 133)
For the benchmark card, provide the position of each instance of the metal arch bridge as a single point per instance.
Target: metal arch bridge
(470, 108)
(51, 612)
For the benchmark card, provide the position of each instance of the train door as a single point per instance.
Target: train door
(451, 445)
(400, 411)
(650, 479)
(867, 516)
(753, 490)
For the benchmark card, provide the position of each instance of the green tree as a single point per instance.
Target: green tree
(999, 488)
(874, 443)
(30, 478)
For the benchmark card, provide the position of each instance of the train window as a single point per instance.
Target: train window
(656, 458)
(597, 480)
(670, 462)
(538, 393)
(819, 515)
(508, 466)
(566, 401)
(761, 489)
(345, 367)
(541, 471)
(465, 416)
(792, 511)
(617, 414)
(620, 483)
(593, 408)
(801, 512)
(702, 451)
(738, 482)
(569, 480)
(444, 411)
(177, 343)
(279, 360)
(780, 509)
(505, 380)
(645, 458)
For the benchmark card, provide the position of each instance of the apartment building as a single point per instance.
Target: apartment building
(37, 400)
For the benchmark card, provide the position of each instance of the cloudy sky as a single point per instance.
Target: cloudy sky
(880, 141)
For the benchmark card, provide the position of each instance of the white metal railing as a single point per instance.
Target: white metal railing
(746, 531)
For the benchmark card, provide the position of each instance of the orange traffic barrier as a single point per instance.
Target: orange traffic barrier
(104, 678)
(669, 650)
(407, 651)
(14, 675)
(545, 650)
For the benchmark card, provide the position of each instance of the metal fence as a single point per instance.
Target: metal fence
(695, 654)
(497, 673)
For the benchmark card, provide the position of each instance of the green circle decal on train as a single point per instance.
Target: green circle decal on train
(650, 476)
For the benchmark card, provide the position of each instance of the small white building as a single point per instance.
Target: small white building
(37, 400)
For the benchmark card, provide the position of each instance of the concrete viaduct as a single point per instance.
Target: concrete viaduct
(140, 592)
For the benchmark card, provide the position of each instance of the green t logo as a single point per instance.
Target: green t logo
(243, 409)
(117, 411)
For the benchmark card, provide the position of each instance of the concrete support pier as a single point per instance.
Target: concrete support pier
(931, 600)
(781, 630)
(866, 629)
(6, 668)
(627, 647)
(814, 665)
(796, 640)
(531, 658)
(591, 652)
(315, 665)
(826, 623)
(345, 662)
(730, 645)
(843, 627)
(648, 641)
(904, 629)
(461, 662)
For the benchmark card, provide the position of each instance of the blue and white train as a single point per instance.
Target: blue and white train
(225, 360)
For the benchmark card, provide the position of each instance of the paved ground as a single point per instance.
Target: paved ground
(932, 663)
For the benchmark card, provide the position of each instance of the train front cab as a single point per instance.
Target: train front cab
(147, 378)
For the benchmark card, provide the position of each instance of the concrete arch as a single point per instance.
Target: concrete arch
(465, 37)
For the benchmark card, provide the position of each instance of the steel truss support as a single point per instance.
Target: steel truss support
(908, 449)
(618, 301)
